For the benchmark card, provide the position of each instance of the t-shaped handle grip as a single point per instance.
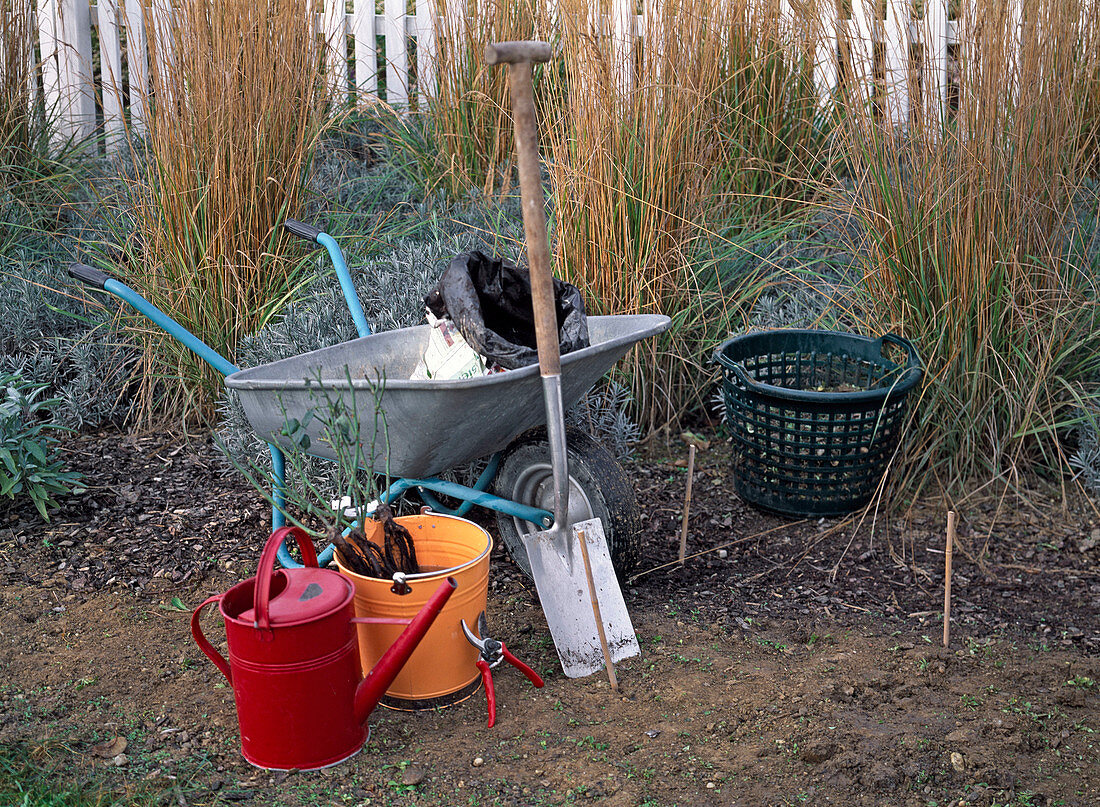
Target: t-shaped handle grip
(517, 52)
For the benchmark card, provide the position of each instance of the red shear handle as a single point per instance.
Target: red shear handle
(267, 567)
(532, 676)
(490, 693)
(204, 645)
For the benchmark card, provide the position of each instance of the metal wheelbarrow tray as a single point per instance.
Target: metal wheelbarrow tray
(432, 425)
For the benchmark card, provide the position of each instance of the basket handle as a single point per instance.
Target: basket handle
(913, 359)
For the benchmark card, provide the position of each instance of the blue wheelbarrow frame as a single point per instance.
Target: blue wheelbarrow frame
(256, 386)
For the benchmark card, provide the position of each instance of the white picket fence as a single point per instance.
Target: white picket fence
(105, 89)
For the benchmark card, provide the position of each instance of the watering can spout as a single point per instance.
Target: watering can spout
(372, 687)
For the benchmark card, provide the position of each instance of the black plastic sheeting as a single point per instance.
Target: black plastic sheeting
(489, 301)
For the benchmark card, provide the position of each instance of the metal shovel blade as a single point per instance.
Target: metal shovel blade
(563, 592)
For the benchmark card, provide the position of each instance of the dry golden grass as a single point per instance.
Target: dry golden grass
(967, 248)
(16, 60)
(469, 118)
(654, 154)
(37, 174)
(237, 109)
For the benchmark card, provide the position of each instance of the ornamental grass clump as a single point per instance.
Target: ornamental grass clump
(968, 224)
(35, 177)
(774, 133)
(648, 183)
(461, 136)
(239, 104)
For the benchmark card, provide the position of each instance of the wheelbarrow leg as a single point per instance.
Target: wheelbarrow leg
(483, 481)
(278, 506)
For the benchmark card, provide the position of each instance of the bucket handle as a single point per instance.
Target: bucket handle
(267, 567)
(204, 645)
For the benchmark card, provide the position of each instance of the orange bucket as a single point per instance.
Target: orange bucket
(443, 668)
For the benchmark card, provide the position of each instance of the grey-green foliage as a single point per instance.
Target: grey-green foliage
(602, 412)
(1085, 251)
(1086, 459)
(812, 284)
(814, 276)
(51, 336)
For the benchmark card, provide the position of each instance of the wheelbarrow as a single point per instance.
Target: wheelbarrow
(436, 425)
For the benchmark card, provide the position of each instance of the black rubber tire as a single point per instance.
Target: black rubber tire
(599, 488)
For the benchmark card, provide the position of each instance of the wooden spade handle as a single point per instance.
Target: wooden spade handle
(517, 52)
(519, 57)
(600, 630)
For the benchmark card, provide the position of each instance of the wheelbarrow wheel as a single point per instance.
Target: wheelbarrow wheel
(598, 488)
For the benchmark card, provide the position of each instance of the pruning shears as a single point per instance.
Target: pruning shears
(492, 652)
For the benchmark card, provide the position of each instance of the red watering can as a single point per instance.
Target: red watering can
(294, 660)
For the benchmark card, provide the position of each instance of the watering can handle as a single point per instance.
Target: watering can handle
(204, 645)
(267, 567)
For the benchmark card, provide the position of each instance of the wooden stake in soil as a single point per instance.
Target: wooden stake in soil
(687, 503)
(947, 577)
(596, 611)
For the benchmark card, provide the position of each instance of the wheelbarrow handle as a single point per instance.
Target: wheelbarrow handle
(318, 236)
(302, 230)
(88, 276)
(101, 280)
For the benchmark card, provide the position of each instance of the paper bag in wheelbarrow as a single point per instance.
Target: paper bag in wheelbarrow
(489, 301)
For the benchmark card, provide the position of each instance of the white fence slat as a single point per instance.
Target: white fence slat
(861, 50)
(110, 67)
(366, 48)
(161, 38)
(897, 84)
(74, 58)
(935, 39)
(336, 49)
(397, 53)
(623, 38)
(967, 22)
(130, 30)
(1014, 32)
(427, 55)
(137, 63)
(826, 58)
(49, 47)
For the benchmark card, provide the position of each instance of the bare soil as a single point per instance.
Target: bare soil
(785, 663)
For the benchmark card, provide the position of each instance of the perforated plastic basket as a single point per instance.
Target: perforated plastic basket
(815, 415)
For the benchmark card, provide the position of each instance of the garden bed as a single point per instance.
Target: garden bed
(803, 667)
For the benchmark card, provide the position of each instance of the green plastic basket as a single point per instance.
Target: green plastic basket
(815, 415)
